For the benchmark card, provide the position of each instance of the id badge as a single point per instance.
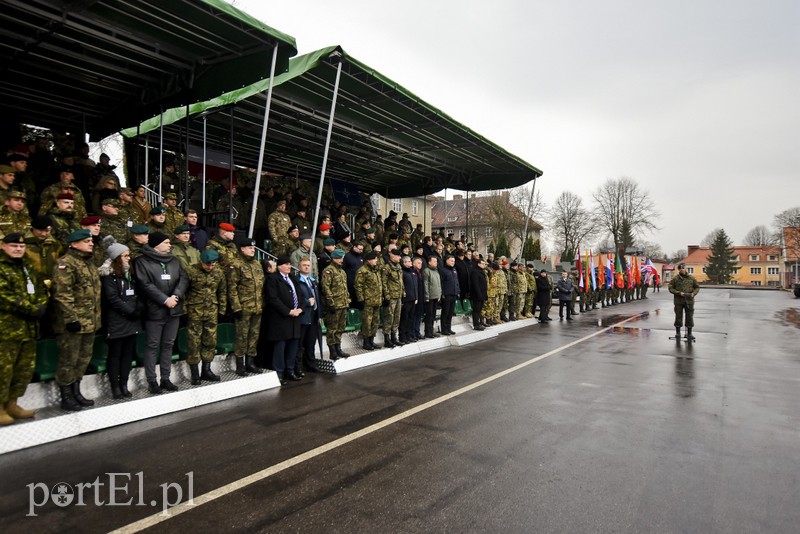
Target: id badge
(129, 292)
(29, 287)
(166, 277)
(130, 224)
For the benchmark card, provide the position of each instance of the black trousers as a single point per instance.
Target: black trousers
(120, 359)
(430, 316)
(308, 340)
(407, 319)
(477, 308)
(448, 311)
(565, 304)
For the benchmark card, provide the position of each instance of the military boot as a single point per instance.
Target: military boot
(240, 366)
(116, 392)
(195, 370)
(123, 387)
(340, 353)
(17, 412)
(689, 334)
(68, 401)
(251, 367)
(366, 345)
(678, 332)
(207, 374)
(395, 341)
(332, 353)
(388, 342)
(76, 391)
(5, 419)
(373, 344)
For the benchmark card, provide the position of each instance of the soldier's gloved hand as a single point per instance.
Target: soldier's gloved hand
(238, 315)
(74, 327)
(40, 311)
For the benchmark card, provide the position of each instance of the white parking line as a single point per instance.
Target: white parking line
(222, 491)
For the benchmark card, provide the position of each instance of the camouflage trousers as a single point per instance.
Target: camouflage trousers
(530, 303)
(335, 322)
(17, 362)
(504, 305)
(370, 320)
(391, 315)
(488, 308)
(248, 329)
(513, 303)
(498, 307)
(74, 355)
(688, 307)
(201, 339)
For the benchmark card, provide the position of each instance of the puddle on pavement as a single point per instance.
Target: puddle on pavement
(609, 320)
(789, 317)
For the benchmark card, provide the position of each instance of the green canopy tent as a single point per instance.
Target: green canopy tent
(94, 66)
(383, 138)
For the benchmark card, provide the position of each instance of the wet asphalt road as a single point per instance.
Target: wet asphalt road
(624, 432)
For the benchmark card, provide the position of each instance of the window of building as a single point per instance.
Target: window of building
(704, 270)
(756, 282)
(734, 282)
(755, 270)
(415, 207)
(735, 270)
(735, 258)
(773, 283)
(773, 270)
(397, 205)
(772, 257)
(474, 233)
(690, 270)
(755, 257)
(488, 231)
(452, 219)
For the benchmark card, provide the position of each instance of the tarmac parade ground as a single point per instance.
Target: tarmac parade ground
(603, 424)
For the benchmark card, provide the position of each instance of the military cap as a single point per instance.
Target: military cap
(71, 187)
(366, 221)
(41, 222)
(244, 241)
(103, 155)
(513, 264)
(111, 202)
(17, 157)
(14, 237)
(156, 238)
(370, 231)
(301, 208)
(17, 194)
(376, 244)
(66, 168)
(227, 227)
(281, 201)
(7, 169)
(681, 265)
(172, 196)
(495, 266)
(329, 242)
(157, 210)
(140, 229)
(78, 235)
(292, 228)
(543, 271)
(470, 244)
(303, 237)
(125, 191)
(324, 227)
(337, 253)
(505, 262)
(182, 228)
(65, 196)
(395, 252)
(90, 220)
(283, 260)
(209, 255)
(372, 255)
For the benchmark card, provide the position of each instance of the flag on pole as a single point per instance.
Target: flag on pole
(593, 273)
(609, 272)
(620, 277)
(578, 267)
(588, 284)
(601, 271)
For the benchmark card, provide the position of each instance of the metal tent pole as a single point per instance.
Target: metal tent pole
(327, 147)
(527, 218)
(186, 170)
(263, 142)
(230, 170)
(138, 165)
(160, 151)
(205, 129)
(146, 158)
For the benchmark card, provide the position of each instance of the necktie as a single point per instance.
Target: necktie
(291, 287)
(308, 283)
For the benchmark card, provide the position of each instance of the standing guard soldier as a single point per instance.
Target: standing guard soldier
(303, 224)
(490, 307)
(41, 248)
(206, 299)
(530, 296)
(13, 216)
(369, 291)
(173, 217)
(513, 291)
(93, 224)
(139, 236)
(393, 292)
(279, 221)
(64, 185)
(63, 217)
(76, 293)
(337, 298)
(502, 292)
(223, 244)
(246, 299)
(23, 301)
(126, 212)
(157, 220)
(684, 287)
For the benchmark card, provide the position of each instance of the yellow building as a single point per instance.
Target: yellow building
(756, 266)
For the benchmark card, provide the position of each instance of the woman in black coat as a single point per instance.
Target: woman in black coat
(121, 317)
(544, 291)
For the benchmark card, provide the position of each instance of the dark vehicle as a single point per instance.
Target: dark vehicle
(797, 290)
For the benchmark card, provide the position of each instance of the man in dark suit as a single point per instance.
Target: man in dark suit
(478, 290)
(284, 300)
(310, 303)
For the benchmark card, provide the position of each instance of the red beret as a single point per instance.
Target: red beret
(228, 227)
(323, 227)
(65, 196)
(90, 220)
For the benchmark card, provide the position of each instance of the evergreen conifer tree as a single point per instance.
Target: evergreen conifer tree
(720, 262)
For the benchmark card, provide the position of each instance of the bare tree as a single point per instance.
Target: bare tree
(571, 224)
(650, 249)
(760, 236)
(505, 211)
(529, 205)
(677, 255)
(710, 237)
(620, 203)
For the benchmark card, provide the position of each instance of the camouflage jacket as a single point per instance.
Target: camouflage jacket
(13, 221)
(64, 223)
(283, 246)
(186, 253)
(158, 227)
(76, 292)
(683, 284)
(115, 226)
(368, 285)
(246, 286)
(334, 287)
(42, 254)
(502, 282)
(207, 296)
(227, 250)
(126, 214)
(48, 201)
(522, 282)
(19, 302)
(392, 279)
(278, 224)
(491, 287)
(173, 219)
(531, 281)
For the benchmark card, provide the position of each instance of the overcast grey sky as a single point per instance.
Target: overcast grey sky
(695, 100)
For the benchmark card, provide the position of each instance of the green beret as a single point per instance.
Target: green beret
(140, 229)
(78, 235)
(329, 241)
(337, 253)
(209, 255)
(182, 228)
(14, 237)
(7, 169)
(157, 210)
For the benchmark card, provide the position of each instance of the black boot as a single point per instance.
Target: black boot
(388, 342)
(207, 374)
(678, 332)
(153, 386)
(76, 391)
(116, 392)
(123, 387)
(195, 369)
(372, 343)
(333, 354)
(689, 334)
(340, 353)
(366, 345)
(68, 401)
(167, 385)
(396, 342)
(251, 367)
(240, 366)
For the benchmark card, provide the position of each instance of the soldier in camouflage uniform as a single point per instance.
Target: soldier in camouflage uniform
(183, 249)
(64, 185)
(93, 223)
(501, 299)
(490, 308)
(139, 234)
(522, 290)
(23, 301)
(300, 221)
(13, 216)
(393, 292)
(157, 220)
(369, 291)
(279, 222)
(76, 293)
(173, 217)
(286, 245)
(113, 224)
(337, 298)
(223, 244)
(684, 287)
(63, 216)
(530, 296)
(205, 301)
(323, 233)
(42, 250)
(126, 212)
(246, 299)
(513, 291)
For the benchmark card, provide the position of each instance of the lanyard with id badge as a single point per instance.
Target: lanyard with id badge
(29, 288)
(165, 275)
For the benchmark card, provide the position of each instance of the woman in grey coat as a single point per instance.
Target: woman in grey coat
(565, 287)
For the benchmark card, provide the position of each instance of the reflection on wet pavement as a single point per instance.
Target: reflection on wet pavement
(684, 386)
(789, 317)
